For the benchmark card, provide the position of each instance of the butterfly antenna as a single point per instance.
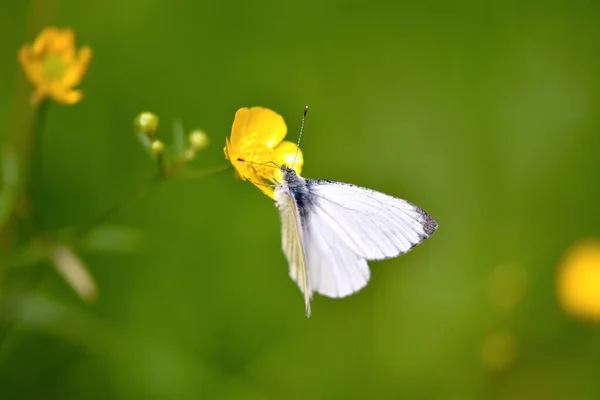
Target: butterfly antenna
(300, 135)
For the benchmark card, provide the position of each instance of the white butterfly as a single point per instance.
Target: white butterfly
(330, 229)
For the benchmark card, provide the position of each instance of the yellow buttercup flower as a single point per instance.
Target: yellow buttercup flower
(53, 67)
(256, 149)
(578, 285)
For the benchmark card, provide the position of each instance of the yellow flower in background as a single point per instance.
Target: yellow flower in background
(53, 67)
(578, 280)
(256, 147)
(499, 351)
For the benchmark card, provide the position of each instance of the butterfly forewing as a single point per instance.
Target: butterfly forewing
(372, 224)
(293, 246)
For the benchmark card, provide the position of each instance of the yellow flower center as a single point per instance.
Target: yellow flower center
(54, 67)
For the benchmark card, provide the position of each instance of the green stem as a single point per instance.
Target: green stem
(190, 175)
(141, 192)
(37, 163)
(30, 168)
(162, 165)
(112, 211)
(27, 150)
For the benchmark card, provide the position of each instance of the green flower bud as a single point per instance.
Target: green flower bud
(146, 123)
(198, 140)
(157, 147)
(189, 155)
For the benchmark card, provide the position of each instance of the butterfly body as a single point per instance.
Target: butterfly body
(330, 229)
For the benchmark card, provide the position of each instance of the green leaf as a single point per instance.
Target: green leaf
(146, 143)
(179, 141)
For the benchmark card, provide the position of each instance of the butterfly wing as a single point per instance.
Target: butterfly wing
(335, 269)
(348, 225)
(293, 248)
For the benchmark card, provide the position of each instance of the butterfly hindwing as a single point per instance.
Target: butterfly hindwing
(335, 269)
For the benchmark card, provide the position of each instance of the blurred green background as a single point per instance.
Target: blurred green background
(483, 113)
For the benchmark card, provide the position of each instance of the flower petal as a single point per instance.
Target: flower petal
(55, 40)
(78, 67)
(257, 125)
(290, 154)
(66, 96)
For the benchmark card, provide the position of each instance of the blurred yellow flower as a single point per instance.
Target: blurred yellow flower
(578, 280)
(499, 350)
(53, 67)
(256, 148)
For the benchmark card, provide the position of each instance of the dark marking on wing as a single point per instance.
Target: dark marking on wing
(429, 224)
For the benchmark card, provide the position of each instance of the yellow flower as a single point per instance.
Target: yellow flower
(578, 285)
(499, 350)
(53, 67)
(256, 149)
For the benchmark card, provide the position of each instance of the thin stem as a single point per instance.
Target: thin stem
(27, 149)
(30, 168)
(143, 191)
(132, 197)
(28, 164)
(191, 175)
(162, 165)
(38, 126)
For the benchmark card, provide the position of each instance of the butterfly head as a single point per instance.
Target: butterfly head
(288, 173)
(291, 177)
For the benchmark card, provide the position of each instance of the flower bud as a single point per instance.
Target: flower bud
(189, 155)
(198, 140)
(157, 147)
(146, 123)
